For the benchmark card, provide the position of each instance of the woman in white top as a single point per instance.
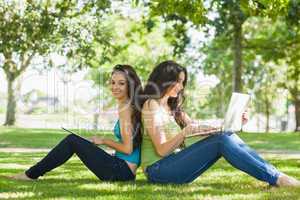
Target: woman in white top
(162, 113)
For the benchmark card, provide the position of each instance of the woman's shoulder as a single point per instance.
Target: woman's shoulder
(151, 104)
(125, 112)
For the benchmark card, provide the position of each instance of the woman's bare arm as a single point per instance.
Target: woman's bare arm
(154, 129)
(126, 129)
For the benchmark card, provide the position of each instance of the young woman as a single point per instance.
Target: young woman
(126, 88)
(163, 117)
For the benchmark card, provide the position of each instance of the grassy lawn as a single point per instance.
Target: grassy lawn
(74, 181)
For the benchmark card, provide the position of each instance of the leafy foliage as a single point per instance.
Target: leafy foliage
(31, 28)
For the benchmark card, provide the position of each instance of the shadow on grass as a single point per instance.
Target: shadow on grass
(86, 188)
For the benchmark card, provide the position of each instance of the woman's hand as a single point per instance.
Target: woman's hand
(193, 128)
(96, 140)
(245, 117)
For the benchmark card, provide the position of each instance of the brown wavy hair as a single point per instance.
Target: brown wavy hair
(134, 93)
(163, 76)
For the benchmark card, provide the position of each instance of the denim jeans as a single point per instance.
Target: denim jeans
(103, 165)
(188, 164)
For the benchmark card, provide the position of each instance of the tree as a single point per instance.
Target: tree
(30, 28)
(229, 20)
(279, 42)
(141, 45)
(293, 57)
(229, 16)
(266, 90)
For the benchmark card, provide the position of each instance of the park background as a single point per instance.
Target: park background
(56, 58)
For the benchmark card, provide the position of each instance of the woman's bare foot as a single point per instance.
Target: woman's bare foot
(287, 181)
(21, 176)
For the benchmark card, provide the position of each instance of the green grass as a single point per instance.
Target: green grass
(37, 138)
(74, 181)
(47, 138)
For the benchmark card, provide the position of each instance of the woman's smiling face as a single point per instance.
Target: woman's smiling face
(119, 86)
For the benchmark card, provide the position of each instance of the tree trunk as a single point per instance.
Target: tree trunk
(237, 51)
(295, 93)
(267, 117)
(12, 72)
(296, 103)
(95, 121)
(297, 112)
(11, 104)
(258, 122)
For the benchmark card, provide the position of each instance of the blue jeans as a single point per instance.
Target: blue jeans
(103, 165)
(186, 165)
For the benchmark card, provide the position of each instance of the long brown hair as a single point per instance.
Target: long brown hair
(163, 76)
(134, 93)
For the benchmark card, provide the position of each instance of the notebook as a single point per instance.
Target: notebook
(69, 131)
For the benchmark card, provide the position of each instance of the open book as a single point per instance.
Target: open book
(233, 117)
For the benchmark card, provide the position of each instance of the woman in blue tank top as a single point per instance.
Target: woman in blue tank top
(126, 88)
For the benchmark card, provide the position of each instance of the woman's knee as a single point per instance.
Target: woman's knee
(228, 133)
(230, 137)
(226, 137)
(71, 137)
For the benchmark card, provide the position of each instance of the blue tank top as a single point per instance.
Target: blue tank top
(135, 156)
